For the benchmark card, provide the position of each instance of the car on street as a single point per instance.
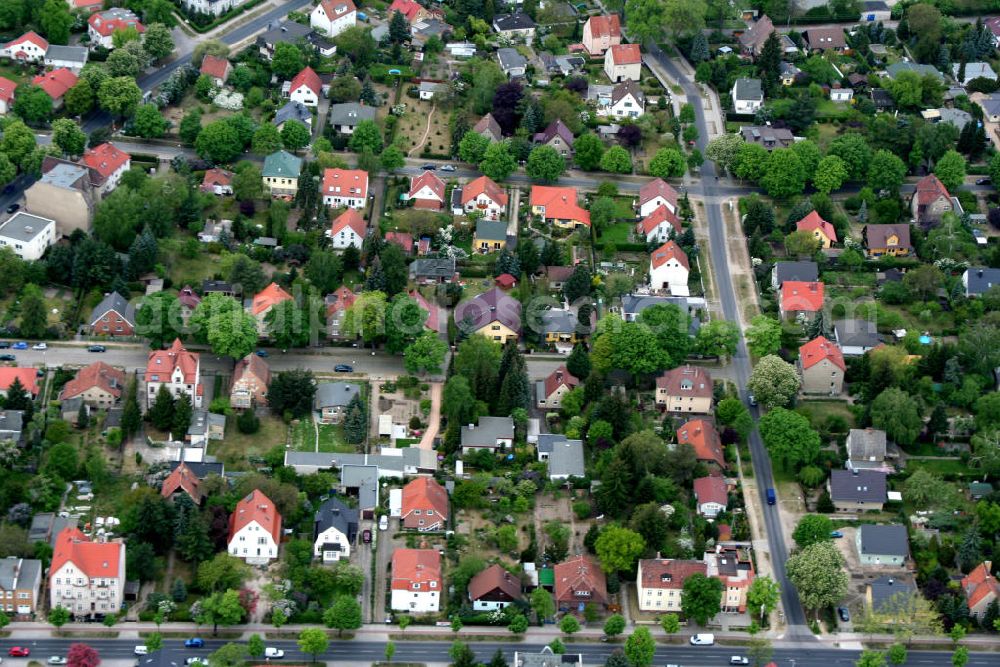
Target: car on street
(141, 650)
(191, 661)
(448, 167)
(57, 660)
(836, 534)
(19, 652)
(4, 345)
(739, 660)
(751, 399)
(271, 652)
(194, 642)
(261, 353)
(20, 345)
(366, 536)
(343, 368)
(40, 346)
(7, 357)
(383, 522)
(97, 348)
(702, 640)
(13, 208)
(983, 181)
(429, 167)
(844, 615)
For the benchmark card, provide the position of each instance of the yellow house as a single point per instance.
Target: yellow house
(561, 326)
(281, 174)
(494, 314)
(821, 230)
(490, 236)
(882, 240)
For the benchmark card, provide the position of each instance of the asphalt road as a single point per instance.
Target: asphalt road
(359, 651)
(795, 616)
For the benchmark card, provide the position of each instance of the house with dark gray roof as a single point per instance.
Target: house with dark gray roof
(882, 545)
(806, 272)
(920, 69)
(343, 118)
(747, 95)
(11, 425)
(855, 337)
(511, 62)
(888, 594)
(866, 450)
(566, 460)
(70, 57)
(978, 280)
(287, 32)
(20, 584)
(362, 482)
(293, 110)
(46, 526)
(332, 398)
(433, 270)
(767, 136)
(547, 658)
(518, 24)
(113, 316)
(491, 433)
(335, 528)
(857, 490)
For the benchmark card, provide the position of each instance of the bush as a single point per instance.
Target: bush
(582, 509)
(248, 422)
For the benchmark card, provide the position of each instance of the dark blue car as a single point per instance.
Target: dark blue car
(21, 345)
(194, 642)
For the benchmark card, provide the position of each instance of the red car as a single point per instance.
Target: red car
(19, 652)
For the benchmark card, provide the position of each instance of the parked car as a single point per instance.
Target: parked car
(4, 345)
(141, 650)
(983, 181)
(194, 642)
(262, 353)
(97, 348)
(40, 346)
(19, 652)
(429, 167)
(343, 368)
(57, 660)
(7, 357)
(13, 208)
(844, 615)
(191, 661)
(739, 660)
(20, 345)
(702, 640)
(271, 652)
(448, 167)
(836, 534)
(366, 536)
(383, 522)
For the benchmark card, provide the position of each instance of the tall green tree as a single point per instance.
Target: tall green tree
(789, 438)
(34, 312)
(56, 21)
(817, 572)
(701, 598)
(68, 136)
(640, 647)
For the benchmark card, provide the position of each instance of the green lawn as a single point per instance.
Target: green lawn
(943, 467)
(236, 447)
(15, 74)
(617, 234)
(331, 438)
(819, 411)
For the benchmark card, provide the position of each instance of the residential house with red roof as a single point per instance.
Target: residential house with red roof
(623, 61)
(416, 583)
(711, 496)
(29, 47)
(600, 33)
(685, 389)
(305, 88)
(657, 193)
(217, 182)
(337, 304)
(485, 196)
(437, 317)
(333, 17)
(216, 68)
(822, 366)
(412, 10)
(427, 191)
(669, 268)
(110, 162)
(90, 6)
(251, 378)
(493, 313)
(930, 200)
(87, 578)
(821, 230)
(403, 239)
(188, 300)
(176, 369)
(796, 297)
(99, 385)
(27, 376)
(558, 206)
(265, 301)
(579, 581)
(981, 589)
(348, 229)
(102, 26)
(345, 187)
(660, 582)
(658, 226)
(255, 529)
(7, 88)
(701, 434)
(182, 480)
(113, 316)
(494, 588)
(549, 392)
(55, 84)
(425, 505)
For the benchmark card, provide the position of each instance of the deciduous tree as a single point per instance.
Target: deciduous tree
(789, 438)
(817, 572)
(773, 381)
(618, 548)
(701, 598)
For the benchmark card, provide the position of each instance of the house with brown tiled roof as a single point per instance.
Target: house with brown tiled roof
(887, 240)
(660, 582)
(711, 495)
(216, 68)
(550, 391)
(825, 39)
(558, 136)
(217, 182)
(494, 314)
(488, 127)
(930, 200)
(822, 366)
(494, 588)
(981, 589)
(251, 378)
(182, 480)
(685, 389)
(701, 435)
(579, 580)
(657, 193)
(425, 505)
(337, 304)
(753, 38)
(99, 385)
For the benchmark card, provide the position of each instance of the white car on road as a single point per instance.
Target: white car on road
(272, 652)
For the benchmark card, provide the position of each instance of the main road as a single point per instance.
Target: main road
(367, 651)
(711, 192)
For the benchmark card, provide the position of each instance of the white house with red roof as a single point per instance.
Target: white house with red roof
(348, 229)
(264, 301)
(485, 196)
(981, 589)
(110, 162)
(669, 269)
(658, 226)
(27, 376)
(822, 366)
(711, 495)
(657, 193)
(55, 84)
(427, 191)
(425, 505)
(337, 304)
(412, 10)
(29, 47)
(306, 88)
(930, 200)
(102, 26)
(87, 578)
(7, 88)
(416, 581)
(176, 369)
(255, 529)
(333, 16)
(623, 61)
(800, 297)
(345, 187)
(90, 6)
(600, 33)
(217, 182)
(216, 68)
